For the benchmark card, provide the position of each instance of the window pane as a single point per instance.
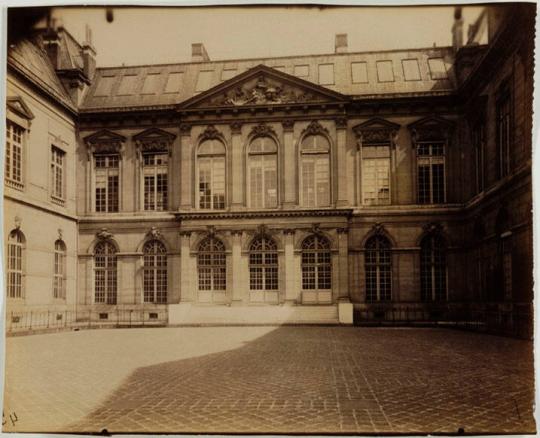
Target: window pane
(359, 72)
(326, 74)
(127, 85)
(385, 72)
(411, 71)
(174, 82)
(151, 84)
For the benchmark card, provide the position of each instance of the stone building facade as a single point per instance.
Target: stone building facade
(395, 184)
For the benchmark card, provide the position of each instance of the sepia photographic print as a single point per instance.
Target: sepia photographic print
(269, 219)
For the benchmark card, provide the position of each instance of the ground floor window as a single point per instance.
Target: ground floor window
(211, 265)
(105, 273)
(155, 272)
(378, 268)
(433, 268)
(263, 264)
(316, 263)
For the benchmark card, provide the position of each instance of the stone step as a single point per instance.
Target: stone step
(188, 314)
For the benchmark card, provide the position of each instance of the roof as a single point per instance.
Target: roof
(383, 73)
(28, 57)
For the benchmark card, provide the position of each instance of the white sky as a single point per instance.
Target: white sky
(164, 35)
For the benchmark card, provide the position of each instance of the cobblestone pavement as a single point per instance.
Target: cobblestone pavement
(269, 379)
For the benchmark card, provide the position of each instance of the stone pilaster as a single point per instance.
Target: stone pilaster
(237, 176)
(186, 167)
(341, 141)
(343, 257)
(187, 289)
(289, 166)
(291, 292)
(238, 283)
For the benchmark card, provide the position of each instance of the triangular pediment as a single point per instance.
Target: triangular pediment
(376, 124)
(431, 122)
(431, 128)
(18, 106)
(262, 85)
(154, 140)
(104, 136)
(153, 134)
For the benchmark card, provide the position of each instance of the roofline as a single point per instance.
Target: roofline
(276, 57)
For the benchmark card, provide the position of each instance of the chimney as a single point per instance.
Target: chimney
(457, 29)
(198, 53)
(341, 43)
(51, 42)
(89, 55)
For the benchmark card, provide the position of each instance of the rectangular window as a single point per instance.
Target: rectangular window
(503, 133)
(326, 74)
(263, 179)
(204, 80)
(212, 183)
(431, 174)
(479, 144)
(14, 155)
(385, 72)
(174, 82)
(57, 173)
(315, 181)
(155, 169)
(359, 72)
(411, 71)
(376, 175)
(127, 85)
(301, 71)
(437, 68)
(107, 183)
(151, 84)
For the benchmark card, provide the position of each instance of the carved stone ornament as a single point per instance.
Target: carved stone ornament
(433, 228)
(211, 231)
(154, 233)
(104, 234)
(289, 231)
(210, 133)
(154, 140)
(288, 125)
(263, 92)
(315, 128)
(431, 129)
(105, 142)
(262, 130)
(262, 230)
(378, 229)
(185, 129)
(60, 233)
(18, 222)
(377, 130)
(316, 229)
(236, 127)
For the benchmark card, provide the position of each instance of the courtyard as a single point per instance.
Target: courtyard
(289, 379)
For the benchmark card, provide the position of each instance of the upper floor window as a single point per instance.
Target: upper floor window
(155, 272)
(15, 264)
(433, 268)
(105, 270)
(155, 169)
(262, 173)
(378, 268)
(315, 171)
(479, 144)
(14, 155)
(376, 174)
(431, 172)
(59, 279)
(58, 158)
(107, 183)
(211, 175)
(503, 133)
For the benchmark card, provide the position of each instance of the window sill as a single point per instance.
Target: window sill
(14, 184)
(58, 201)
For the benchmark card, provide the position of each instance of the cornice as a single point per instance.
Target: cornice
(262, 214)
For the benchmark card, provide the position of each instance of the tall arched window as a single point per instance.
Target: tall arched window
(155, 272)
(316, 264)
(433, 268)
(315, 171)
(59, 279)
(105, 273)
(211, 265)
(263, 268)
(211, 175)
(378, 267)
(15, 264)
(262, 173)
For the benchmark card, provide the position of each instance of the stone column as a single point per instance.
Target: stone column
(186, 167)
(341, 144)
(187, 289)
(238, 283)
(291, 294)
(237, 177)
(289, 176)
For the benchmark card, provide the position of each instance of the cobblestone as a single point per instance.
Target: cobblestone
(270, 379)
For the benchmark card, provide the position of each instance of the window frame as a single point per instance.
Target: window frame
(363, 173)
(321, 246)
(216, 268)
(110, 270)
(155, 251)
(378, 244)
(315, 155)
(56, 153)
(212, 156)
(154, 171)
(268, 269)
(504, 100)
(479, 145)
(18, 184)
(431, 160)
(19, 270)
(106, 171)
(428, 271)
(263, 166)
(59, 275)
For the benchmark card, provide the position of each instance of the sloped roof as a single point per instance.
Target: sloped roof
(361, 74)
(28, 57)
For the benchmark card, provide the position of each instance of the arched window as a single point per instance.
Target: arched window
(15, 264)
(105, 273)
(59, 279)
(378, 267)
(155, 272)
(316, 264)
(262, 173)
(263, 264)
(433, 268)
(211, 175)
(315, 171)
(211, 265)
